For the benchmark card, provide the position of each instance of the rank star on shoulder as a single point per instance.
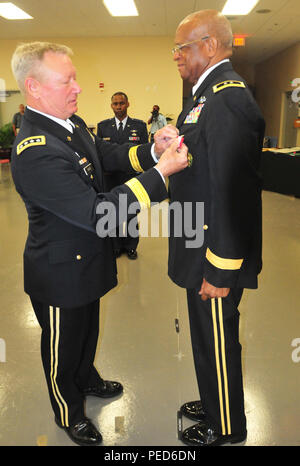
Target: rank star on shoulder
(115, 456)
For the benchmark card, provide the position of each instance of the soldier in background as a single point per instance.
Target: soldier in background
(17, 119)
(122, 129)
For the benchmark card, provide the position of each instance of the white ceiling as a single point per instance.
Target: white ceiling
(268, 33)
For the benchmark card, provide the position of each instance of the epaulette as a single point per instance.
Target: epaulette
(30, 142)
(137, 120)
(230, 83)
(108, 120)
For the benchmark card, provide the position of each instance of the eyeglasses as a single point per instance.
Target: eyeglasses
(178, 48)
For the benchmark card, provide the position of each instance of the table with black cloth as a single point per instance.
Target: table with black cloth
(280, 170)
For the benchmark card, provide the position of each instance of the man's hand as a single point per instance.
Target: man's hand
(209, 291)
(174, 159)
(163, 138)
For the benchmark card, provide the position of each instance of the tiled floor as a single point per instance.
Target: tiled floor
(140, 347)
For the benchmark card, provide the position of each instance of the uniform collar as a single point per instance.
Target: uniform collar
(123, 122)
(206, 73)
(68, 124)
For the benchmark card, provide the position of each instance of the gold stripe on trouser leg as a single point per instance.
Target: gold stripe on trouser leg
(218, 365)
(224, 365)
(54, 326)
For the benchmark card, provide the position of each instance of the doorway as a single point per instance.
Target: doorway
(289, 114)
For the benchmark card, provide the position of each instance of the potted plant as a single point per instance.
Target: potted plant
(6, 140)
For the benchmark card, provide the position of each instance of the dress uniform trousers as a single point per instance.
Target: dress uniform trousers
(68, 343)
(214, 326)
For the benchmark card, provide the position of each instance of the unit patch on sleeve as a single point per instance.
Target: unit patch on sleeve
(30, 142)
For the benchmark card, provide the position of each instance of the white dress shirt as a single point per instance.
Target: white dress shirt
(68, 124)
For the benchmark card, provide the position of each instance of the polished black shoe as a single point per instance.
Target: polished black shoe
(200, 435)
(132, 254)
(83, 433)
(104, 389)
(193, 410)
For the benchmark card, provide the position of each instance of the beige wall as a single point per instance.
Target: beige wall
(273, 78)
(142, 67)
(245, 70)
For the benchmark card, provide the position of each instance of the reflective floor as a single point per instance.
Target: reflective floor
(140, 347)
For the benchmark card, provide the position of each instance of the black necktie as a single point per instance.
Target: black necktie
(120, 130)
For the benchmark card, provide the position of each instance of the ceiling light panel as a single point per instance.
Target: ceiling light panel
(121, 7)
(10, 11)
(239, 7)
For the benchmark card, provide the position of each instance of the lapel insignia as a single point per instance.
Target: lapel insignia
(69, 138)
(202, 99)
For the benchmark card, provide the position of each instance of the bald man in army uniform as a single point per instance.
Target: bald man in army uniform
(223, 129)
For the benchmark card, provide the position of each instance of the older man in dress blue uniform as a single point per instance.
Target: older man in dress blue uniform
(223, 129)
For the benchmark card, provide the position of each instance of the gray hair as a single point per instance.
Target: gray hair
(27, 59)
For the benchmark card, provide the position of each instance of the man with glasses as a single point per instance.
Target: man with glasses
(223, 129)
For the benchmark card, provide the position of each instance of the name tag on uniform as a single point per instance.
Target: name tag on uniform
(194, 114)
(106, 139)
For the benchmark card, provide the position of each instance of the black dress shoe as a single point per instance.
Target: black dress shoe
(193, 410)
(201, 435)
(83, 433)
(132, 254)
(104, 389)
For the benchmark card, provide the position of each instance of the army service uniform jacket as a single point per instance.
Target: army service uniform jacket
(223, 129)
(59, 176)
(135, 132)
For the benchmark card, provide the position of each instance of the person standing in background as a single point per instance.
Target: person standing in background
(120, 130)
(17, 119)
(157, 121)
(57, 166)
